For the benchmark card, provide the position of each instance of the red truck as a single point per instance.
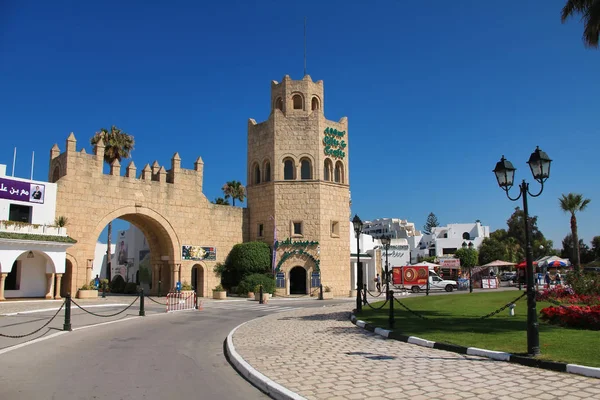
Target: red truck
(415, 277)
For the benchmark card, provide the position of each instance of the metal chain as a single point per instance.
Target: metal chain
(106, 316)
(377, 308)
(504, 307)
(37, 330)
(409, 310)
(157, 302)
(373, 295)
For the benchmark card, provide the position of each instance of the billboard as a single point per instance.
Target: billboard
(22, 191)
(198, 253)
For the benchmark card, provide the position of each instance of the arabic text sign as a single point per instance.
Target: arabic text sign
(22, 191)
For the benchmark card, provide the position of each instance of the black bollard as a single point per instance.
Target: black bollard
(158, 289)
(427, 287)
(365, 294)
(142, 311)
(260, 294)
(321, 292)
(67, 324)
(391, 316)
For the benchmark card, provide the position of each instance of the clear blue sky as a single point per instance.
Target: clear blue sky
(435, 93)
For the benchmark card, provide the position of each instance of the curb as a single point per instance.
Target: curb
(263, 383)
(591, 372)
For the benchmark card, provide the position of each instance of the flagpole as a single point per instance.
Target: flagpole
(32, 160)
(14, 159)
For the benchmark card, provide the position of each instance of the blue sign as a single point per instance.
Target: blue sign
(178, 286)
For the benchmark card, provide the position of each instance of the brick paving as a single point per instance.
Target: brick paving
(319, 354)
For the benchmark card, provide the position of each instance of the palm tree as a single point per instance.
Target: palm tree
(590, 12)
(221, 201)
(117, 145)
(234, 190)
(572, 203)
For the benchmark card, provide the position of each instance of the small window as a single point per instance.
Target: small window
(261, 230)
(279, 104)
(466, 236)
(267, 172)
(256, 174)
(305, 170)
(315, 104)
(288, 170)
(339, 172)
(297, 229)
(328, 169)
(19, 213)
(335, 229)
(297, 100)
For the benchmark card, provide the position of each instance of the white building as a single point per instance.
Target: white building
(32, 249)
(99, 264)
(445, 240)
(394, 227)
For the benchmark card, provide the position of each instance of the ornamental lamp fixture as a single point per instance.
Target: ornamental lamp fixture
(539, 162)
(505, 173)
(385, 241)
(358, 225)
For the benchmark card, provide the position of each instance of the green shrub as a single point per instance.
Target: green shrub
(244, 259)
(117, 285)
(219, 288)
(251, 283)
(584, 283)
(130, 288)
(186, 286)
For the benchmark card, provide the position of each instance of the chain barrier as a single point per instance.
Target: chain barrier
(376, 308)
(504, 307)
(156, 301)
(375, 295)
(110, 315)
(416, 314)
(37, 330)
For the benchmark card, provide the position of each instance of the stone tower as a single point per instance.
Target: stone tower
(298, 184)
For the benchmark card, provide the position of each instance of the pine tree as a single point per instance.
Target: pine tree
(432, 222)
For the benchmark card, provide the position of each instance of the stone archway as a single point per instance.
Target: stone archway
(298, 280)
(198, 280)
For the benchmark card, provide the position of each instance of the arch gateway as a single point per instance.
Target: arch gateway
(298, 192)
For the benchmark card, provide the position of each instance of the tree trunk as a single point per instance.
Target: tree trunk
(108, 263)
(575, 243)
(233, 200)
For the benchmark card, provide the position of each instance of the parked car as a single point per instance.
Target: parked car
(508, 276)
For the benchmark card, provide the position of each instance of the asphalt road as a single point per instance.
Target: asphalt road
(162, 356)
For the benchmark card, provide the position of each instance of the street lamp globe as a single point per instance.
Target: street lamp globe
(539, 162)
(505, 173)
(356, 221)
(385, 241)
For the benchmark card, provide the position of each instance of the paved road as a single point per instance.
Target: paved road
(179, 355)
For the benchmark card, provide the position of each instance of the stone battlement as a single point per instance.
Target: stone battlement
(73, 163)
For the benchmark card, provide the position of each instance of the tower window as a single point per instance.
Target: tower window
(267, 170)
(279, 103)
(297, 100)
(256, 174)
(315, 104)
(339, 172)
(335, 229)
(261, 230)
(305, 169)
(297, 228)
(288, 170)
(327, 170)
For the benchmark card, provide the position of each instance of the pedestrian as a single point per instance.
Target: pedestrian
(547, 279)
(557, 278)
(378, 283)
(97, 281)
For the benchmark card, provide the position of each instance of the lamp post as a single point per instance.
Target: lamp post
(464, 246)
(539, 163)
(385, 241)
(359, 281)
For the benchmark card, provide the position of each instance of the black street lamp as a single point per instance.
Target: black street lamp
(464, 246)
(539, 163)
(358, 225)
(385, 241)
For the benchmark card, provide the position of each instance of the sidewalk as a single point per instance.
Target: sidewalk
(320, 354)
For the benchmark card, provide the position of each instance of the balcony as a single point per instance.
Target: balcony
(32, 229)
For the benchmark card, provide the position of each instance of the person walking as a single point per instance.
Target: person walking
(558, 278)
(378, 283)
(547, 280)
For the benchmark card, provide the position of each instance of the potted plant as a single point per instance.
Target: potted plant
(186, 289)
(327, 293)
(88, 291)
(219, 293)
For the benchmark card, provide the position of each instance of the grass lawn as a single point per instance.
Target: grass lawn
(455, 319)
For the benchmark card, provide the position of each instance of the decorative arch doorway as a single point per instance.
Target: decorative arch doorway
(198, 279)
(298, 280)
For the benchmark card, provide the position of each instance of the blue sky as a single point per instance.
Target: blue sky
(435, 92)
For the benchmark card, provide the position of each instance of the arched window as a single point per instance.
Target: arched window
(339, 172)
(267, 170)
(466, 236)
(279, 103)
(305, 169)
(256, 173)
(315, 104)
(327, 170)
(288, 170)
(297, 100)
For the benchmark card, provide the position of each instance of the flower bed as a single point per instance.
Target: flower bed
(586, 317)
(566, 295)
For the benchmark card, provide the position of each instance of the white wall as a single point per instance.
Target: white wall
(99, 264)
(33, 277)
(41, 213)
